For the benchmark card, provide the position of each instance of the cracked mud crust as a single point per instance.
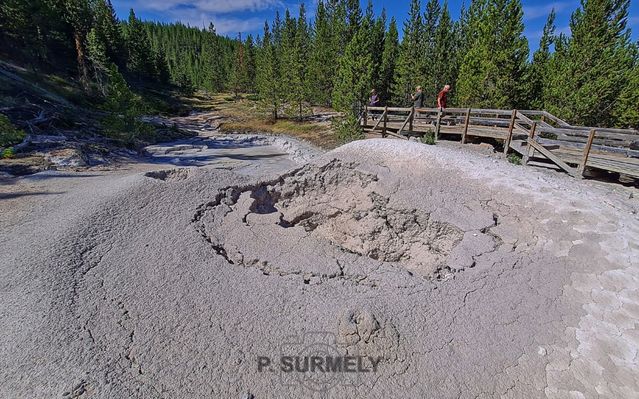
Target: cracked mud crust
(336, 210)
(468, 277)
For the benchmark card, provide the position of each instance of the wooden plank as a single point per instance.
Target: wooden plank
(463, 138)
(584, 132)
(553, 118)
(531, 151)
(438, 125)
(524, 118)
(511, 127)
(391, 109)
(581, 141)
(584, 161)
(399, 136)
(399, 132)
(555, 159)
(366, 115)
(491, 112)
(436, 110)
(379, 120)
(578, 146)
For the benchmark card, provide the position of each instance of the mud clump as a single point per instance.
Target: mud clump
(169, 175)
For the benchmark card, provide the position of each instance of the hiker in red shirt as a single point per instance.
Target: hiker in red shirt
(441, 98)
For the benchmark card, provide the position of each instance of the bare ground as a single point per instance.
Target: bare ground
(469, 277)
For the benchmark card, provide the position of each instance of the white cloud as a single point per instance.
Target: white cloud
(537, 34)
(534, 12)
(223, 25)
(212, 6)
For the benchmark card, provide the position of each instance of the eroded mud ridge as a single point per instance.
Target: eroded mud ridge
(330, 210)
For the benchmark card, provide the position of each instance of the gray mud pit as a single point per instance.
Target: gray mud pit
(323, 215)
(466, 278)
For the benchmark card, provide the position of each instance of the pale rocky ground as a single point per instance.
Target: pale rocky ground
(469, 276)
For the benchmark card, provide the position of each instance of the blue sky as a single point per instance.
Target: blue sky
(248, 16)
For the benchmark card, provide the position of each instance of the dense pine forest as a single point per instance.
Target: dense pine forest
(589, 77)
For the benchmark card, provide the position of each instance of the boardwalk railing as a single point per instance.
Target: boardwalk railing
(536, 135)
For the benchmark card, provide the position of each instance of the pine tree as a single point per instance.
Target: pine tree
(21, 26)
(354, 76)
(492, 72)
(431, 22)
(538, 69)
(298, 63)
(139, 61)
(267, 78)
(409, 63)
(626, 111)
(354, 17)
(589, 69)
(107, 31)
(78, 15)
(377, 33)
(288, 60)
(337, 13)
(250, 64)
(96, 54)
(512, 62)
(212, 61)
(239, 76)
(321, 59)
(444, 57)
(389, 58)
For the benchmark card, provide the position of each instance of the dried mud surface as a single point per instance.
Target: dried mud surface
(469, 277)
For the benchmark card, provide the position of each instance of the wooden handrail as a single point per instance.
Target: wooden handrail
(497, 116)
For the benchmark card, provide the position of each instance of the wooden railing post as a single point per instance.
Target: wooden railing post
(530, 150)
(385, 119)
(584, 159)
(439, 123)
(466, 123)
(365, 115)
(412, 116)
(510, 131)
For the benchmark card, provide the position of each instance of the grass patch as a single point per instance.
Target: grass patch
(347, 129)
(429, 138)
(514, 159)
(9, 134)
(7, 153)
(247, 115)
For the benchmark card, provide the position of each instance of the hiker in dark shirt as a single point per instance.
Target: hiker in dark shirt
(418, 98)
(441, 98)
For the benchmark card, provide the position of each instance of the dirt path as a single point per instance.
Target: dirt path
(443, 273)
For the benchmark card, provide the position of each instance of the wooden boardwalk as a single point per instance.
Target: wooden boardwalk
(536, 135)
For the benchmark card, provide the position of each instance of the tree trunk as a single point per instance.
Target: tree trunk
(82, 65)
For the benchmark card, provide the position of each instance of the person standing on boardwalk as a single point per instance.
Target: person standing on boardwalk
(374, 100)
(441, 98)
(418, 97)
